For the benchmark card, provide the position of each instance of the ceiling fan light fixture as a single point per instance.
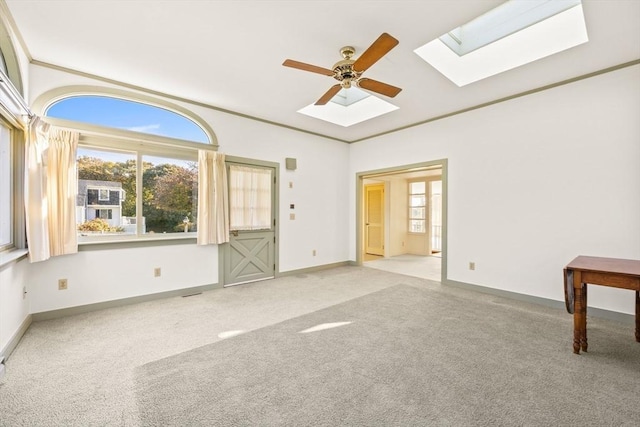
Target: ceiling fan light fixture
(350, 96)
(349, 71)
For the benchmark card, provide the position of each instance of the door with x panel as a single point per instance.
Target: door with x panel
(250, 254)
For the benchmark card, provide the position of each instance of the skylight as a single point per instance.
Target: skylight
(513, 34)
(348, 107)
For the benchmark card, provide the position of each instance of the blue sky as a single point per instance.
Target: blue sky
(121, 114)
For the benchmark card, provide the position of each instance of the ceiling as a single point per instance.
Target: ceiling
(229, 54)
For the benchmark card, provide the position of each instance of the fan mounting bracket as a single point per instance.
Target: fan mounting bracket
(343, 70)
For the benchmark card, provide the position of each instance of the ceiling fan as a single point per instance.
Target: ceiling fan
(349, 71)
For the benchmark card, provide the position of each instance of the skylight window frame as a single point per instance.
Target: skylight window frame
(354, 113)
(512, 16)
(560, 32)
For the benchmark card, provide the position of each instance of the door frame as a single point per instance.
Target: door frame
(361, 176)
(222, 248)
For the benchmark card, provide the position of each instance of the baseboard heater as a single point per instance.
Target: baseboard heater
(2, 369)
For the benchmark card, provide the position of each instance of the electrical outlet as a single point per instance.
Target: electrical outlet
(472, 265)
(62, 284)
(314, 252)
(157, 272)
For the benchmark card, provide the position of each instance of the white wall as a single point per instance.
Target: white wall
(111, 274)
(562, 166)
(14, 305)
(319, 194)
(533, 182)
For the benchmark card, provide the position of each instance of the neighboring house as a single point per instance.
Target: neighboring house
(100, 199)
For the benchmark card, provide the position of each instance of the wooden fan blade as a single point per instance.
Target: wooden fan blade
(329, 94)
(307, 67)
(377, 50)
(379, 87)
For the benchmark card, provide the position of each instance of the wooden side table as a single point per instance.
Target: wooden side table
(612, 272)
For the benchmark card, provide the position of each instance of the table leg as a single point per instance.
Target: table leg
(577, 318)
(638, 316)
(583, 340)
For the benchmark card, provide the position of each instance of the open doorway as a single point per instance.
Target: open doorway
(409, 221)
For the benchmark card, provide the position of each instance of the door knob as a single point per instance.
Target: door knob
(234, 233)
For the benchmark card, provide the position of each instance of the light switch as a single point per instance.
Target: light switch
(292, 216)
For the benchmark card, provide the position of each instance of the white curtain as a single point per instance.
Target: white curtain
(213, 199)
(249, 198)
(50, 191)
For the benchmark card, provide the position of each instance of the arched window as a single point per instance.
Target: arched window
(8, 59)
(137, 167)
(127, 115)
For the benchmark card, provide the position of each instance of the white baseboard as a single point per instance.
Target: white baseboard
(70, 311)
(15, 339)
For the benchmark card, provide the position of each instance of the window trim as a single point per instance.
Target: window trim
(11, 165)
(14, 75)
(103, 199)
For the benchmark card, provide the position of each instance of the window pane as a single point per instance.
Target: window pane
(417, 213)
(417, 187)
(417, 201)
(106, 202)
(128, 115)
(6, 197)
(249, 198)
(169, 195)
(417, 226)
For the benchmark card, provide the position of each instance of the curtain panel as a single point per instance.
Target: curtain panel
(213, 199)
(50, 191)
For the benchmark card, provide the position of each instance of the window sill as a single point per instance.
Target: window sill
(110, 242)
(11, 256)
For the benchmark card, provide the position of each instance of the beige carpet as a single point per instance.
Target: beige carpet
(401, 356)
(80, 370)
(424, 267)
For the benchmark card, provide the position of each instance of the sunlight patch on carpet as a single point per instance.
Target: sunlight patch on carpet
(229, 334)
(323, 326)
